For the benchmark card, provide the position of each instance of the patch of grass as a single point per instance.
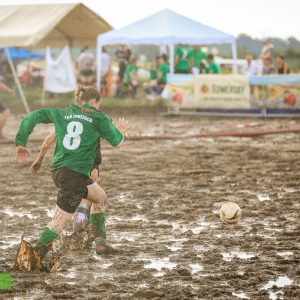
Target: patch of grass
(34, 97)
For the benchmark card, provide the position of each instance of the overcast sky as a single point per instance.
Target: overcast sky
(258, 18)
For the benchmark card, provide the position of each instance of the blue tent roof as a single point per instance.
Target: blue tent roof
(22, 54)
(166, 27)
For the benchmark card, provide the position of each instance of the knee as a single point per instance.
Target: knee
(102, 197)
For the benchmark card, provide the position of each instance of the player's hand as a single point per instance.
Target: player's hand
(35, 166)
(21, 154)
(95, 176)
(123, 125)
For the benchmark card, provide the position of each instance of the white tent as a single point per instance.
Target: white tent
(41, 25)
(165, 28)
(55, 25)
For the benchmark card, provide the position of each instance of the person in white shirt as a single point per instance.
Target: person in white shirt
(267, 49)
(85, 65)
(251, 68)
(105, 64)
(105, 71)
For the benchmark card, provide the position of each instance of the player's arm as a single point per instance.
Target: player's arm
(42, 115)
(114, 133)
(49, 140)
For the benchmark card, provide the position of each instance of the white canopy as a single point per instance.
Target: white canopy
(56, 25)
(165, 28)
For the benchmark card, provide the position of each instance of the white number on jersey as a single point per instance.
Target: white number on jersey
(72, 138)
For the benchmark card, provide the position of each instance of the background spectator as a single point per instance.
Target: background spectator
(131, 77)
(251, 68)
(156, 87)
(105, 71)
(212, 66)
(268, 67)
(86, 66)
(267, 49)
(197, 59)
(281, 66)
(182, 58)
(153, 68)
(123, 55)
(162, 70)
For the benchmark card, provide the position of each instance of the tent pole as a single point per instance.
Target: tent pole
(171, 58)
(44, 91)
(98, 58)
(234, 57)
(17, 81)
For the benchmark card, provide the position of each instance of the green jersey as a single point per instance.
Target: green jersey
(153, 74)
(213, 68)
(163, 69)
(77, 134)
(184, 54)
(128, 70)
(198, 56)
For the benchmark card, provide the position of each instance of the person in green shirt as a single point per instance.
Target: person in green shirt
(77, 129)
(182, 59)
(153, 68)
(81, 216)
(197, 59)
(130, 76)
(213, 67)
(162, 71)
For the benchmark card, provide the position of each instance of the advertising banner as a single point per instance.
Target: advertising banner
(222, 91)
(233, 91)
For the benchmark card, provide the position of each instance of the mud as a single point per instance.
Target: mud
(163, 204)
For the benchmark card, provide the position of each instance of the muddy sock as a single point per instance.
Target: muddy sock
(81, 217)
(98, 223)
(47, 236)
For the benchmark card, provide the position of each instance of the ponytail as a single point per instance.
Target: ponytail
(84, 94)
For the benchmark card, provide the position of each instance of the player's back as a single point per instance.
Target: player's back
(77, 133)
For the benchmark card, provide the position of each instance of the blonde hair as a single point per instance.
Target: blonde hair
(84, 94)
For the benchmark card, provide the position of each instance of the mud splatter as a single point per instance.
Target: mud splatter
(163, 203)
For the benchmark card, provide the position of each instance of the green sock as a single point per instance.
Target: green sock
(98, 223)
(46, 236)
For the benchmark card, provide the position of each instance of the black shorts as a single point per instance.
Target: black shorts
(2, 107)
(72, 188)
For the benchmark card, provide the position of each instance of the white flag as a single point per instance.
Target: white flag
(59, 73)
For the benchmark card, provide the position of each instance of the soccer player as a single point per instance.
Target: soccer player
(77, 128)
(82, 213)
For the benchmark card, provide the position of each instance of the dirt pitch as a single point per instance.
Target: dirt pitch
(163, 204)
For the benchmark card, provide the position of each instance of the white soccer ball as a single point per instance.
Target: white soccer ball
(230, 213)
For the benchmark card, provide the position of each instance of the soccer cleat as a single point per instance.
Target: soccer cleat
(45, 240)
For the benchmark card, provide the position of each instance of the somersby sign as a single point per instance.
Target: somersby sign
(222, 91)
(211, 91)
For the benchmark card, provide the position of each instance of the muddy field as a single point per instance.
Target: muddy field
(163, 215)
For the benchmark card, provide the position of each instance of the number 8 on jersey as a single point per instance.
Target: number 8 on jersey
(72, 138)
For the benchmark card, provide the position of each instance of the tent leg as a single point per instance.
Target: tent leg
(98, 70)
(234, 57)
(17, 81)
(171, 58)
(44, 91)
